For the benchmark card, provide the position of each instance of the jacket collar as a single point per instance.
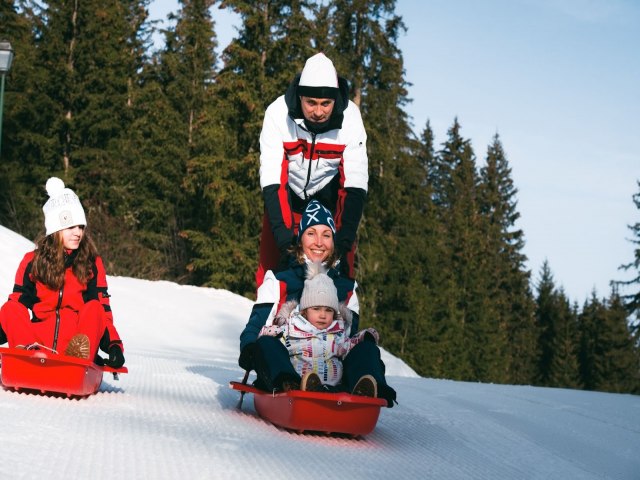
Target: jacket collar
(69, 257)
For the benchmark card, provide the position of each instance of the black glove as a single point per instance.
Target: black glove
(105, 341)
(343, 266)
(285, 262)
(368, 337)
(247, 357)
(388, 393)
(116, 358)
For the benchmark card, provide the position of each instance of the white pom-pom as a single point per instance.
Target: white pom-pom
(54, 186)
(315, 268)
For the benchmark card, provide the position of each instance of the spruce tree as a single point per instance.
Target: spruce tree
(622, 353)
(558, 340)
(590, 321)
(223, 183)
(273, 42)
(188, 65)
(90, 52)
(155, 203)
(508, 276)
(88, 46)
(564, 368)
(432, 250)
(473, 338)
(632, 300)
(82, 61)
(399, 260)
(26, 113)
(396, 230)
(546, 312)
(609, 358)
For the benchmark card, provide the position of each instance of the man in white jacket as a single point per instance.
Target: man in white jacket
(312, 146)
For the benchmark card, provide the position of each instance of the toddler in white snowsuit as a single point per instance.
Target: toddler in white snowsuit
(316, 331)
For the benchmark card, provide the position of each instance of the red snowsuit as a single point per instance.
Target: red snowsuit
(77, 308)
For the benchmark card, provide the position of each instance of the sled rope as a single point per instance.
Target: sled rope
(37, 346)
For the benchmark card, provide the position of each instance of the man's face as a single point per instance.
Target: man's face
(317, 110)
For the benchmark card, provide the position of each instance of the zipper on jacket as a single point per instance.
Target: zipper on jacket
(311, 151)
(57, 329)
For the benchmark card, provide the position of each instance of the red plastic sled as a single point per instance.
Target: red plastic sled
(50, 372)
(316, 411)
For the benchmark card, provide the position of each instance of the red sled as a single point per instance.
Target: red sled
(48, 372)
(316, 411)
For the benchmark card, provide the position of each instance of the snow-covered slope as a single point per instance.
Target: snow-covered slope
(173, 415)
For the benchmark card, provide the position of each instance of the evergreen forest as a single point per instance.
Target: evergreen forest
(162, 146)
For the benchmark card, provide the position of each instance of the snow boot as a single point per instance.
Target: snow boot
(78, 346)
(285, 382)
(288, 385)
(311, 382)
(366, 387)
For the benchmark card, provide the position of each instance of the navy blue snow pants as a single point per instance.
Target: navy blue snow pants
(273, 366)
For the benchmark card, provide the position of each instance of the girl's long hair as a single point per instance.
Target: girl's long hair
(49, 260)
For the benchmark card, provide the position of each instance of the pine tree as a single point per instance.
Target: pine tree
(508, 277)
(155, 201)
(364, 37)
(25, 115)
(564, 368)
(397, 226)
(546, 312)
(88, 46)
(609, 359)
(89, 54)
(223, 180)
(399, 262)
(622, 354)
(429, 349)
(188, 64)
(632, 300)
(558, 339)
(473, 338)
(273, 42)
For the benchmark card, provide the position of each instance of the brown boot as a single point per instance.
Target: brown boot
(78, 346)
(289, 385)
(366, 387)
(311, 382)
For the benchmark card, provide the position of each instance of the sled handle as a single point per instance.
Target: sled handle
(244, 382)
(115, 371)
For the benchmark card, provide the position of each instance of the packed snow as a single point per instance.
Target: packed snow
(174, 416)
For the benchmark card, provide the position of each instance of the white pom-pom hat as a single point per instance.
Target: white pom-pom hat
(63, 209)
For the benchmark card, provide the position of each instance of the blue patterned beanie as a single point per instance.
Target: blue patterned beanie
(315, 214)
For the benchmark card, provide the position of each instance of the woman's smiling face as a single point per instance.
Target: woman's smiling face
(317, 243)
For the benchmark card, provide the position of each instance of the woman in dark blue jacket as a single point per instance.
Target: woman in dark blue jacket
(267, 355)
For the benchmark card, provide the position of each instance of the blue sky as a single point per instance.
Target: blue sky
(558, 80)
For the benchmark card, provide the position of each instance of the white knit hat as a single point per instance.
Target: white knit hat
(63, 209)
(319, 78)
(319, 290)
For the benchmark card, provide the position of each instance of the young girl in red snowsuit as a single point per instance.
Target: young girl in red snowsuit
(60, 300)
